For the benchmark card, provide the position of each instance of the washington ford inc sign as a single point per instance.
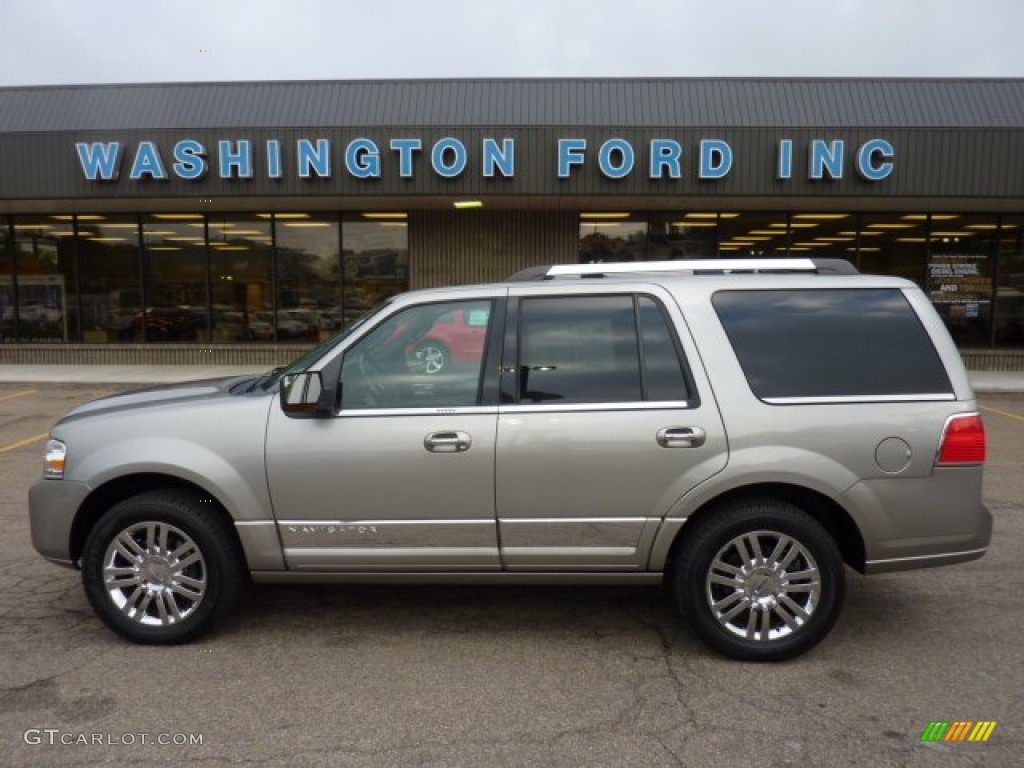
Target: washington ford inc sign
(451, 158)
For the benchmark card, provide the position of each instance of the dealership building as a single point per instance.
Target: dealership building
(237, 221)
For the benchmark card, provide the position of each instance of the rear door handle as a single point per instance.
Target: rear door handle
(682, 437)
(447, 442)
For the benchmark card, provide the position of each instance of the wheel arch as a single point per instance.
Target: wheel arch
(124, 487)
(826, 511)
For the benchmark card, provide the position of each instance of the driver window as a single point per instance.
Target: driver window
(427, 356)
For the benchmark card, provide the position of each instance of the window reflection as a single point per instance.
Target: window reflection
(894, 244)
(683, 236)
(240, 279)
(175, 279)
(44, 250)
(754, 235)
(6, 285)
(111, 284)
(1009, 326)
(960, 274)
(375, 263)
(308, 274)
(608, 237)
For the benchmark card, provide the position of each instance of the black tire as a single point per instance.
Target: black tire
(185, 570)
(433, 356)
(749, 607)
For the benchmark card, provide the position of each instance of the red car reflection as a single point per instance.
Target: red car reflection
(457, 337)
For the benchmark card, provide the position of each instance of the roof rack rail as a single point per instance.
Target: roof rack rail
(684, 266)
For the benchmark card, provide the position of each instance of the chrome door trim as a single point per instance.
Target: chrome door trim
(469, 410)
(393, 558)
(925, 398)
(665, 405)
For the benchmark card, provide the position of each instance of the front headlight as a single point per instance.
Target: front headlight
(56, 454)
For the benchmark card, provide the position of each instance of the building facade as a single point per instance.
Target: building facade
(256, 213)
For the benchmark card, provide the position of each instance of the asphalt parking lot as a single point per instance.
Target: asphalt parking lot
(506, 676)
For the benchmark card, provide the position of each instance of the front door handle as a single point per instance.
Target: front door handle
(681, 437)
(447, 442)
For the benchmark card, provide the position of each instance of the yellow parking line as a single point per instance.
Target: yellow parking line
(26, 441)
(1007, 414)
(19, 394)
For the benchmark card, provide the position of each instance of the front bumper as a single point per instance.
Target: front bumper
(52, 506)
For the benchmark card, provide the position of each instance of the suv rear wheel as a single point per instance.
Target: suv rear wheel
(157, 570)
(760, 580)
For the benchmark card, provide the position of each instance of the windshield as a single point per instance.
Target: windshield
(269, 379)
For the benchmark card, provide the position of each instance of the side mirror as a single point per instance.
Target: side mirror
(303, 396)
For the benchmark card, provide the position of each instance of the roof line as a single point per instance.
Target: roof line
(526, 80)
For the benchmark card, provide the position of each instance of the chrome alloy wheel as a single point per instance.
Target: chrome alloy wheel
(763, 585)
(432, 357)
(154, 573)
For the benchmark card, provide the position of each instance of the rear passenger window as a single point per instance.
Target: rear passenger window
(835, 343)
(597, 349)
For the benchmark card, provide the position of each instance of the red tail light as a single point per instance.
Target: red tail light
(963, 441)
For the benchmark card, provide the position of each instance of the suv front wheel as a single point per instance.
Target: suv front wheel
(759, 580)
(158, 570)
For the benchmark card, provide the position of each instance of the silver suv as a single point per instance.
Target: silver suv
(738, 430)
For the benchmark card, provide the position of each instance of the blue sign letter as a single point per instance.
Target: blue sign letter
(627, 158)
(362, 159)
(274, 158)
(826, 157)
(190, 158)
(405, 148)
(866, 164)
(316, 160)
(240, 160)
(501, 159)
(458, 163)
(147, 161)
(665, 154)
(570, 153)
(785, 169)
(100, 161)
(715, 159)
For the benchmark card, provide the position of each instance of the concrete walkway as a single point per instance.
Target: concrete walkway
(983, 381)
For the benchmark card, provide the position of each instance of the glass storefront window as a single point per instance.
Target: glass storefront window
(606, 237)
(110, 278)
(6, 284)
(44, 254)
(1009, 314)
(961, 258)
(676, 236)
(375, 263)
(752, 235)
(176, 274)
(242, 300)
(894, 244)
(826, 235)
(308, 274)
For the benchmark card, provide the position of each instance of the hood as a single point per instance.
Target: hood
(155, 396)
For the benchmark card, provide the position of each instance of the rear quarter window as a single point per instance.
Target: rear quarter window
(831, 343)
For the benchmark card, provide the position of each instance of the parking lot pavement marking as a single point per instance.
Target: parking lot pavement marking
(1007, 414)
(26, 441)
(18, 394)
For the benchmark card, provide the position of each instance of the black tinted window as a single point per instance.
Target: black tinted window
(578, 349)
(830, 343)
(663, 371)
